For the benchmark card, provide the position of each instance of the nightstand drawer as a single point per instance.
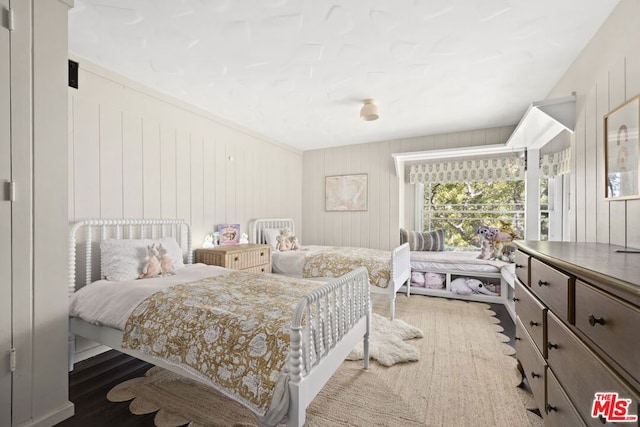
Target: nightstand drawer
(248, 257)
(611, 324)
(265, 268)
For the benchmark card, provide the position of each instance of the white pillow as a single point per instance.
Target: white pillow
(123, 259)
(271, 236)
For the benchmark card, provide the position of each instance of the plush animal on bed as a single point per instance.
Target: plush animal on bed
(467, 286)
(287, 241)
(151, 266)
(434, 280)
(492, 242)
(166, 263)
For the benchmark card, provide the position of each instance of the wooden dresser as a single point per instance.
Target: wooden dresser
(249, 257)
(578, 329)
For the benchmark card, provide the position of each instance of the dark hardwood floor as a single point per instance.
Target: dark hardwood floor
(92, 379)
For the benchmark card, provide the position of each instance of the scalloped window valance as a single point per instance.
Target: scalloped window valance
(554, 164)
(499, 169)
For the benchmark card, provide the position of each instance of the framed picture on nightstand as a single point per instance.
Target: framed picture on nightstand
(229, 234)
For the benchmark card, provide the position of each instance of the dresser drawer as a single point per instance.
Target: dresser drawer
(611, 324)
(522, 267)
(532, 363)
(531, 313)
(552, 287)
(560, 412)
(581, 373)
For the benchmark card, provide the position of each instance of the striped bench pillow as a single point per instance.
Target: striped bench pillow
(427, 241)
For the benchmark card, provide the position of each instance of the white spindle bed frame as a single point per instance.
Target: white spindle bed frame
(339, 312)
(400, 258)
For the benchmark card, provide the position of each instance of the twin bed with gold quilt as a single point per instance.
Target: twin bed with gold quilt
(267, 341)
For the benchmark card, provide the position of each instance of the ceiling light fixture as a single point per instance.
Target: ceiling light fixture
(369, 111)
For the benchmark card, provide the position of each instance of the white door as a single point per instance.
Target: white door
(5, 220)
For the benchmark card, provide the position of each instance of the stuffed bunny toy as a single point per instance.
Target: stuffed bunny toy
(151, 266)
(166, 263)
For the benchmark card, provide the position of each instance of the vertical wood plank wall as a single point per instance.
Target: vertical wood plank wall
(605, 75)
(379, 226)
(137, 153)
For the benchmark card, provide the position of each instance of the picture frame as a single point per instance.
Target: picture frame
(346, 192)
(229, 234)
(622, 151)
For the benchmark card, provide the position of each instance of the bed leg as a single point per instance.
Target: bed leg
(392, 305)
(297, 407)
(365, 344)
(408, 285)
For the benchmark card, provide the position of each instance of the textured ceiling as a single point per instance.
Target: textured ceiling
(298, 71)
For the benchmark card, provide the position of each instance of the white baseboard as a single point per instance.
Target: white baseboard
(89, 353)
(52, 418)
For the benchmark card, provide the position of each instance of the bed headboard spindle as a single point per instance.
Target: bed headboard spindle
(119, 229)
(257, 227)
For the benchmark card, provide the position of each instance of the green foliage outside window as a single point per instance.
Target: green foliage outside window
(460, 208)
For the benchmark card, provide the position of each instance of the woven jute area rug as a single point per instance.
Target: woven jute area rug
(465, 376)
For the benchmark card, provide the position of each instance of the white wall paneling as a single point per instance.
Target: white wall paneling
(605, 75)
(379, 226)
(139, 153)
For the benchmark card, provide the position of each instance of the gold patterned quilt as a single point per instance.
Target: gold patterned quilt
(337, 261)
(233, 329)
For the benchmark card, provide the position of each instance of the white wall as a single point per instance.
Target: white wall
(135, 152)
(605, 75)
(379, 226)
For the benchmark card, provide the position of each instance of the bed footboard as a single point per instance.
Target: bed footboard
(327, 324)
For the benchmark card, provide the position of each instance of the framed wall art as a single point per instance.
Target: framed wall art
(621, 150)
(229, 234)
(346, 192)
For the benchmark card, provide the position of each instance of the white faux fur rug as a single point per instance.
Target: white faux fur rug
(386, 342)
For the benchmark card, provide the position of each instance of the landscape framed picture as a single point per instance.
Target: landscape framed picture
(622, 152)
(346, 192)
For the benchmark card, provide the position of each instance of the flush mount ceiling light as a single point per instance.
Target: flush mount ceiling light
(369, 111)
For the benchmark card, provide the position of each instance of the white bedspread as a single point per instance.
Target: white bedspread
(291, 263)
(108, 303)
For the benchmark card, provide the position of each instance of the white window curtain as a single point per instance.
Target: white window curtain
(500, 169)
(555, 164)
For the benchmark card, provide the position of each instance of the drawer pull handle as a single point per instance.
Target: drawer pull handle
(551, 408)
(516, 299)
(517, 338)
(593, 320)
(534, 375)
(262, 269)
(532, 323)
(519, 266)
(551, 346)
(261, 253)
(543, 283)
(236, 258)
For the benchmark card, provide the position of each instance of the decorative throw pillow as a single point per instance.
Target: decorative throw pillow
(427, 241)
(123, 259)
(270, 235)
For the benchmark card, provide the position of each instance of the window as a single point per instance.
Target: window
(460, 208)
